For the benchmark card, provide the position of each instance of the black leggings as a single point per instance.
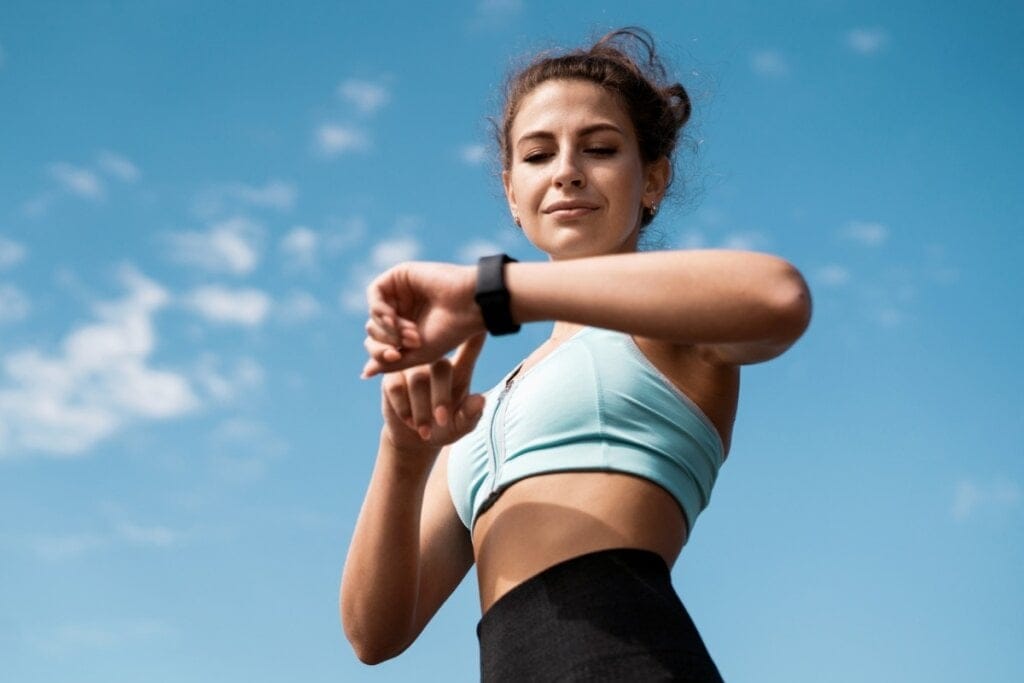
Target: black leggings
(610, 615)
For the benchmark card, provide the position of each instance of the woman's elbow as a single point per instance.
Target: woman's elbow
(369, 652)
(791, 303)
(367, 647)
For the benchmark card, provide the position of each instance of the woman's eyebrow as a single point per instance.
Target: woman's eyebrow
(547, 135)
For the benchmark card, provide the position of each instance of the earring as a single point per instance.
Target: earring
(653, 209)
(515, 217)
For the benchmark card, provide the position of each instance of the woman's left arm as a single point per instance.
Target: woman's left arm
(740, 307)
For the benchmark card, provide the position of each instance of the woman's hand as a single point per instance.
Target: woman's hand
(430, 405)
(418, 313)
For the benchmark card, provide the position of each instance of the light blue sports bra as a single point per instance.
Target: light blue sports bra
(602, 406)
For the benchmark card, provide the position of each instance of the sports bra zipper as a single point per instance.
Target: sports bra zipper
(498, 451)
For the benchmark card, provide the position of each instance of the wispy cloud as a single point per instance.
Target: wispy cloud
(227, 198)
(832, 275)
(867, 233)
(101, 380)
(81, 182)
(770, 63)
(300, 246)
(298, 307)
(11, 253)
(14, 304)
(971, 496)
(365, 96)
(471, 252)
(474, 155)
(867, 41)
(67, 546)
(75, 636)
(118, 166)
(248, 307)
(382, 256)
(229, 246)
(224, 385)
(245, 449)
(334, 139)
(495, 13)
(745, 240)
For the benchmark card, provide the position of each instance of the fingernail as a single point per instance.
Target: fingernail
(424, 432)
(441, 415)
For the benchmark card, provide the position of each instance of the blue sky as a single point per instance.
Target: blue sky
(193, 197)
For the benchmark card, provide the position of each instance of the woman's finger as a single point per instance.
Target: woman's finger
(464, 361)
(380, 352)
(376, 330)
(441, 390)
(418, 380)
(397, 393)
(468, 413)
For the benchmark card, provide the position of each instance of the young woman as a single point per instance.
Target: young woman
(574, 483)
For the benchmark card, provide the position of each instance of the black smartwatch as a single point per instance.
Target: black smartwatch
(492, 296)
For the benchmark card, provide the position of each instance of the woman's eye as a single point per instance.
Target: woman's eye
(601, 151)
(535, 157)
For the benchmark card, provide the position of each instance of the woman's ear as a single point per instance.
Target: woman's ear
(510, 195)
(656, 179)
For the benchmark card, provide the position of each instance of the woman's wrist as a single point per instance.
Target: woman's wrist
(413, 457)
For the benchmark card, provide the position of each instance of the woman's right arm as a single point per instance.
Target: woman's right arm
(409, 550)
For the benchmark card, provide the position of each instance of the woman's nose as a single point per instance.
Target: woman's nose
(568, 172)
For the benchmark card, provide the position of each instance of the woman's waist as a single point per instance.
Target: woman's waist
(548, 518)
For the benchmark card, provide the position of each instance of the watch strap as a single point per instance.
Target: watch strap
(492, 295)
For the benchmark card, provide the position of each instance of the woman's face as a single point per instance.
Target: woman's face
(576, 180)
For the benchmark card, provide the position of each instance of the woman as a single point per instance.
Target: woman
(574, 483)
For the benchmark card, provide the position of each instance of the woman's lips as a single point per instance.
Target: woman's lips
(577, 212)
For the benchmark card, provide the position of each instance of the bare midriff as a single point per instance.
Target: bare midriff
(549, 518)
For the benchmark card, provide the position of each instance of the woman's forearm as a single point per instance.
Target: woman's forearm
(381, 576)
(690, 297)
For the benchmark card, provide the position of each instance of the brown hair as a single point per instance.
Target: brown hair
(625, 63)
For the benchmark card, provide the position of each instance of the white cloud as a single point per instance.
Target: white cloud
(383, 255)
(68, 546)
(969, 496)
(118, 166)
(78, 181)
(471, 252)
(11, 253)
(335, 139)
(494, 13)
(14, 304)
(300, 246)
(247, 307)
(298, 307)
(832, 275)
(38, 205)
(692, 239)
(229, 246)
(73, 637)
(392, 252)
(275, 194)
(750, 240)
(226, 385)
(771, 63)
(474, 155)
(866, 233)
(64, 404)
(156, 536)
(867, 41)
(366, 96)
(223, 199)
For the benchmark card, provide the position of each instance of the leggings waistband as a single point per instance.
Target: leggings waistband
(607, 615)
